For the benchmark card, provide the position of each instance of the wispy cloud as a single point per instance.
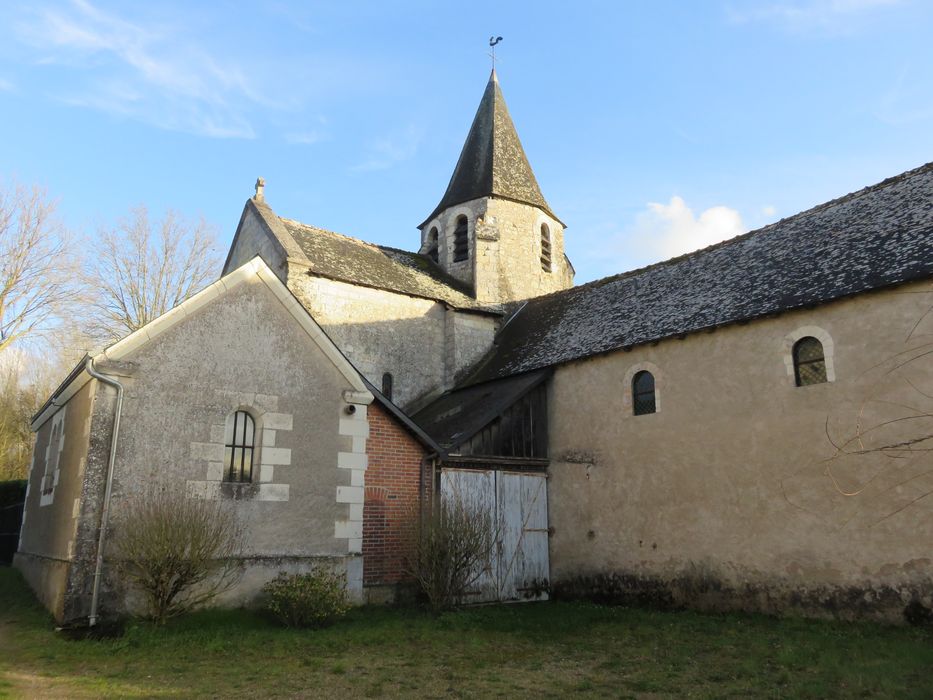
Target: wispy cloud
(667, 230)
(306, 138)
(810, 16)
(391, 150)
(6, 85)
(149, 73)
(906, 102)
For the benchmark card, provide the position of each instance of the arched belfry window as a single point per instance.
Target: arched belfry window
(239, 441)
(387, 385)
(545, 248)
(461, 240)
(432, 244)
(643, 397)
(809, 362)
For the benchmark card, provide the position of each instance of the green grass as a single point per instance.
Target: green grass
(544, 650)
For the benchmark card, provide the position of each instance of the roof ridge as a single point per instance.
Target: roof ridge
(887, 182)
(318, 229)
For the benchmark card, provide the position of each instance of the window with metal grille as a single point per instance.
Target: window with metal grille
(545, 248)
(643, 400)
(461, 240)
(239, 439)
(387, 385)
(432, 244)
(809, 362)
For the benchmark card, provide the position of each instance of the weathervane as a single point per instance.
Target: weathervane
(493, 40)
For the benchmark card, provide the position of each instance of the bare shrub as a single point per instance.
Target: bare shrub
(178, 551)
(450, 548)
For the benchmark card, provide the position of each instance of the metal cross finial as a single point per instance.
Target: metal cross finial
(493, 40)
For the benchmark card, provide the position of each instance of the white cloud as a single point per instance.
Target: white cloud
(146, 72)
(810, 16)
(768, 210)
(669, 230)
(6, 85)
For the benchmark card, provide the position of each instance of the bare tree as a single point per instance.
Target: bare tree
(140, 270)
(37, 266)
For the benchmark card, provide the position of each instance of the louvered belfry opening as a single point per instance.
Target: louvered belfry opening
(461, 240)
(432, 244)
(545, 248)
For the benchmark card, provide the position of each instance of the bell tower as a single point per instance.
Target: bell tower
(493, 229)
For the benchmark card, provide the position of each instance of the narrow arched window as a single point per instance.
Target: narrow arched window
(461, 240)
(239, 439)
(387, 385)
(545, 248)
(643, 399)
(809, 362)
(432, 244)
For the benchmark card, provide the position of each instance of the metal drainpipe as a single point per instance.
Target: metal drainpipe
(105, 515)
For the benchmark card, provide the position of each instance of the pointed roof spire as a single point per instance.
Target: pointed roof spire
(492, 162)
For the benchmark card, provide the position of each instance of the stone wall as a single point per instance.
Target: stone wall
(505, 250)
(468, 338)
(47, 547)
(253, 239)
(419, 342)
(733, 495)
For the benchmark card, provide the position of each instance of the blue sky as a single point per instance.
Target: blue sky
(653, 127)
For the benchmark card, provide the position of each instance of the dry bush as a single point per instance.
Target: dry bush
(450, 547)
(178, 551)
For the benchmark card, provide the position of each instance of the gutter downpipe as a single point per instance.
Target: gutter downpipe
(105, 515)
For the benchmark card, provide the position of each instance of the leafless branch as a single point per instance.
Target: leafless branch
(37, 265)
(142, 269)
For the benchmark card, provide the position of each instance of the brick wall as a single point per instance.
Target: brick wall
(391, 496)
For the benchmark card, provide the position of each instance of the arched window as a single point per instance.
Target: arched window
(387, 385)
(545, 248)
(432, 243)
(239, 439)
(809, 362)
(643, 393)
(461, 240)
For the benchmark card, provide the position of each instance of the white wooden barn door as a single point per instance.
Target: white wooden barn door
(518, 501)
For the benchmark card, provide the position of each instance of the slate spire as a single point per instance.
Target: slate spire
(492, 162)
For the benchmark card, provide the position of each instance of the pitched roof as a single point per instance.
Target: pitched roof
(351, 260)
(876, 237)
(256, 270)
(455, 417)
(492, 162)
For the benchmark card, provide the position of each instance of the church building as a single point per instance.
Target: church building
(744, 427)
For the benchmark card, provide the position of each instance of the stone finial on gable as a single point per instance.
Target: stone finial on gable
(260, 187)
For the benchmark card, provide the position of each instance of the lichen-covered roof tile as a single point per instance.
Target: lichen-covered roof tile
(351, 260)
(492, 162)
(876, 237)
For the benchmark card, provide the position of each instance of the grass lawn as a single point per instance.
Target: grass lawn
(543, 649)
